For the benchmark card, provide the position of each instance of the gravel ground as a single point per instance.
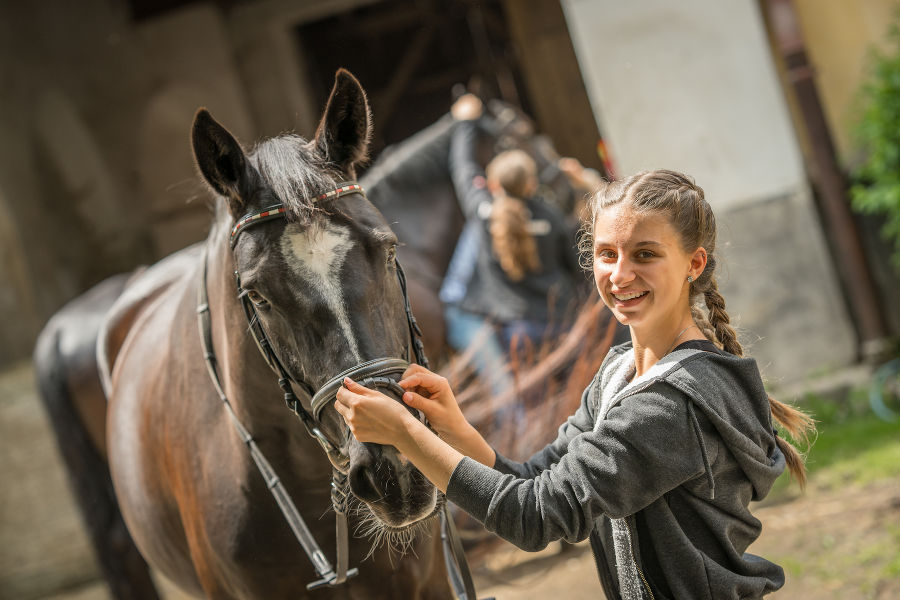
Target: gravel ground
(835, 543)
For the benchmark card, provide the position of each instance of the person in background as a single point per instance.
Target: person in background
(673, 439)
(516, 263)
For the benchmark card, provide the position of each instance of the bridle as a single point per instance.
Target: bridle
(372, 373)
(375, 373)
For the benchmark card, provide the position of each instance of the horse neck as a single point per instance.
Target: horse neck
(422, 156)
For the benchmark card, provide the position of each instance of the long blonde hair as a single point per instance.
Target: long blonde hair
(510, 173)
(677, 196)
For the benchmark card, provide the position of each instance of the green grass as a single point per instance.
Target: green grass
(842, 556)
(853, 447)
(860, 451)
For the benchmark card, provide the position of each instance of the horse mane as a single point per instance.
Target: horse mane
(295, 182)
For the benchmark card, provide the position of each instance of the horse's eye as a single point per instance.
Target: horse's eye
(256, 298)
(391, 255)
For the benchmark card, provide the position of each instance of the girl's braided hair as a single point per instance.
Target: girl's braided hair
(677, 196)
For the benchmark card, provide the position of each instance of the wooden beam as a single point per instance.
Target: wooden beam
(385, 102)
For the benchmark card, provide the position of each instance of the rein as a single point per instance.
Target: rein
(372, 374)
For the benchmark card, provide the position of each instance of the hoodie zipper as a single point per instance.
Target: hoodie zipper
(634, 560)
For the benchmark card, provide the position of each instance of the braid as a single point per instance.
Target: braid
(720, 320)
(800, 426)
(703, 323)
(513, 243)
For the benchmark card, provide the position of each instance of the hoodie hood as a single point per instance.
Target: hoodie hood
(746, 427)
(729, 392)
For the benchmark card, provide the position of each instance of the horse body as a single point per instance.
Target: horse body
(323, 287)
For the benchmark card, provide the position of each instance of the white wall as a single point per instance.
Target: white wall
(691, 86)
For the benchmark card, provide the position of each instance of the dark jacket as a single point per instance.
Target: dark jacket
(676, 455)
(543, 296)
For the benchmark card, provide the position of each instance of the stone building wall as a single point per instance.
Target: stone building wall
(96, 173)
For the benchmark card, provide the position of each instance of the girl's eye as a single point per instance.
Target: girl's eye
(256, 298)
(645, 255)
(606, 255)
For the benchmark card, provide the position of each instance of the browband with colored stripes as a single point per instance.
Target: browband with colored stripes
(277, 211)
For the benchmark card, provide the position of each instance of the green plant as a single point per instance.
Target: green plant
(877, 131)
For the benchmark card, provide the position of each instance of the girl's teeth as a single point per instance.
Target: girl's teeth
(628, 296)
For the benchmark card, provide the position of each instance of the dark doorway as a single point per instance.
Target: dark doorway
(409, 54)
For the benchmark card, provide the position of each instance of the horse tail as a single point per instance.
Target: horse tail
(89, 478)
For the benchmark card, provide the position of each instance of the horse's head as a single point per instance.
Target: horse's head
(322, 281)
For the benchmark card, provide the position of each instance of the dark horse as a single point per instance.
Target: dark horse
(319, 287)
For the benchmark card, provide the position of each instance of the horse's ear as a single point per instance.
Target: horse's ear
(346, 125)
(219, 158)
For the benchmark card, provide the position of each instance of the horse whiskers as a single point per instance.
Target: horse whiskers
(397, 541)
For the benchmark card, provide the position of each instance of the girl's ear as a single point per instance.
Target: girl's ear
(698, 262)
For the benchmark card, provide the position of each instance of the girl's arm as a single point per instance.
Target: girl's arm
(376, 417)
(645, 447)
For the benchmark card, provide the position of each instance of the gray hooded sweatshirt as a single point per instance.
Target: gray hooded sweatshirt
(659, 471)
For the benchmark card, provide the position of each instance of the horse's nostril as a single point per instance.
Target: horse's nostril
(364, 485)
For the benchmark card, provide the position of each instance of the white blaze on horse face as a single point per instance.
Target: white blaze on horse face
(318, 253)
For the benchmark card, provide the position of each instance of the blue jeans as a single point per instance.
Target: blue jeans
(465, 329)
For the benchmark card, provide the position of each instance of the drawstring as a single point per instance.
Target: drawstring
(709, 475)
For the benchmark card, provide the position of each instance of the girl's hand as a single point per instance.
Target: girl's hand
(431, 394)
(372, 416)
(467, 107)
(580, 177)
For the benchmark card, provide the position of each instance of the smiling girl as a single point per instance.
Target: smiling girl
(673, 439)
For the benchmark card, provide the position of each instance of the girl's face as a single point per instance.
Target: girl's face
(641, 269)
